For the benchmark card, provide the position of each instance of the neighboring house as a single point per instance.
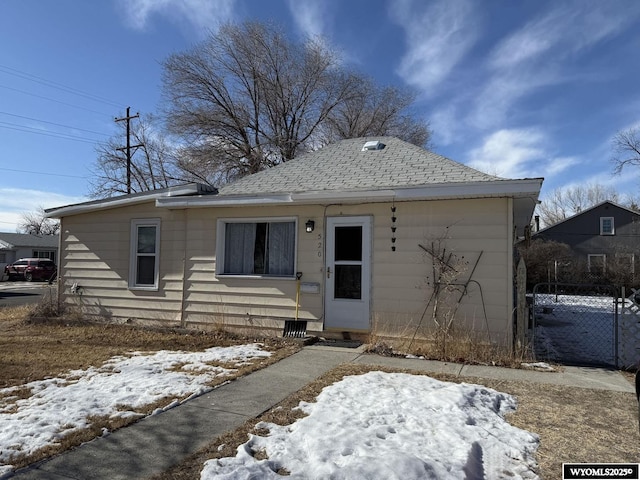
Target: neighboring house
(350, 218)
(14, 246)
(603, 238)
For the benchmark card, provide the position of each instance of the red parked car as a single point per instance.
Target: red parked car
(30, 269)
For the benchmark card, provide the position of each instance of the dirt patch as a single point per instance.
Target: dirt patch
(35, 350)
(574, 425)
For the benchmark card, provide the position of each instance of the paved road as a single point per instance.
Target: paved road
(22, 293)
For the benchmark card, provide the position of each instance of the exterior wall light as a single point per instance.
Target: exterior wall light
(310, 225)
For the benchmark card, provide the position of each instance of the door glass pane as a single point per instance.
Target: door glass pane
(348, 281)
(348, 243)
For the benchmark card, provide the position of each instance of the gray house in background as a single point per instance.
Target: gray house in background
(600, 237)
(14, 246)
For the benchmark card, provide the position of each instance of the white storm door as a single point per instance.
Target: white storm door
(348, 273)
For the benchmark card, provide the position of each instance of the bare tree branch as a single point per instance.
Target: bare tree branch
(564, 203)
(626, 147)
(248, 98)
(153, 165)
(37, 223)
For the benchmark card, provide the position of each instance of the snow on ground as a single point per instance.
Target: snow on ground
(575, 328)
(391, 426)
(58, 406)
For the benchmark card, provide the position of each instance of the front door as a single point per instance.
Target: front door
(348, 273)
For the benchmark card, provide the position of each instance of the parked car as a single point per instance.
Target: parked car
(30, 269)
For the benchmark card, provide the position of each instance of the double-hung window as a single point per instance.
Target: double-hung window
(145, 254)
(596, 263)
(606, 226)
(258, 247)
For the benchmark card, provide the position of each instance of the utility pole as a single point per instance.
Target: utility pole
(128, 148)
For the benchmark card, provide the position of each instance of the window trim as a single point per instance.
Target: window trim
(221, 224)
(50, 254)
(613, 227)
(604, 262)
(133, 253)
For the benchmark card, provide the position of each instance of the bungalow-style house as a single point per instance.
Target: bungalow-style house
(14, 246)
(605, 240)
(332, 238)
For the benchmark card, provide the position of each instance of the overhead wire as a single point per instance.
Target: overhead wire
(59, 86)
(41, 173)
(56, 85)
(23, 128)
(53, 123)
(54, 100)
(53, 133)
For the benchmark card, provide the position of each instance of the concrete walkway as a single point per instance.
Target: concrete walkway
(158, 442)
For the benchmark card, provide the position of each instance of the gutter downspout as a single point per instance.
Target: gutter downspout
(183, 300)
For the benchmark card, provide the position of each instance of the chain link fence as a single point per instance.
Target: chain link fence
(575, 324)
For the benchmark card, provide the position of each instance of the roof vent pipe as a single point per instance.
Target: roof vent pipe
(373, 145)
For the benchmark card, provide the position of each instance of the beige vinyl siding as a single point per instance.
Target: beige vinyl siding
(95, 251)
(248, 301)
(95, 254)
(400, 290)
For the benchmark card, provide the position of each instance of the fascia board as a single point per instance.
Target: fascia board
(221, 201)
(506, 188)
(126, 200)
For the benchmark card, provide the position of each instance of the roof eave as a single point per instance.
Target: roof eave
(126, 200)
(529, 188)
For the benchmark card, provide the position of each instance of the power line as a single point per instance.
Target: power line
(41, 173)
(56, 85)
(48, 134)
(52, 123)
(54, 100)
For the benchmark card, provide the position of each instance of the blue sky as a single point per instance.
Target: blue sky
(516, 88)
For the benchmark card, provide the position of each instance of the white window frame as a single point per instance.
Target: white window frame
(613, 227)
(133, 255)
(45, 254)
(604, 262)
(220, 246)
(631, 258)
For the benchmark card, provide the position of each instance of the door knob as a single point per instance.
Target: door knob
(328, 272)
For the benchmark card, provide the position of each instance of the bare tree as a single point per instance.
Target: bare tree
(37, 223)
(373, 110)
(248, 98)
(563, 203)
(626, 147)
(550, 261)
(153, 164)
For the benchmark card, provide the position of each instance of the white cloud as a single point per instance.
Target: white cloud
(542, 53)
(15, 202)
(559, 165)
(201, 14)
(438, 38)
(310, 16)
(513, 153)
(445, 124)
(566, 29)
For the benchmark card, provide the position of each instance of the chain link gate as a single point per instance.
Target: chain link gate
(575, 324)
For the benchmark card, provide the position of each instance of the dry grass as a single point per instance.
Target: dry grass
(35, 348)
(456, 345)
(574, 425)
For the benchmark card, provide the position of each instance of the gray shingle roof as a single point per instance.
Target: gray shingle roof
(12, 240)
(343, 166)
